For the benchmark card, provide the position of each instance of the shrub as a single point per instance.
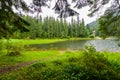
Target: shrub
(14, 53)
(68, 51)
(99, 65)
(68, 37)
(39, 65)
(92, 36)
(14, 49)
(57, 62)
(2, 44)
(73, 59)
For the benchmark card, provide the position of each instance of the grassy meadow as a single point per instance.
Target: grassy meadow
(51, 64)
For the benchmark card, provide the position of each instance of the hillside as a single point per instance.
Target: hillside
(94, 25)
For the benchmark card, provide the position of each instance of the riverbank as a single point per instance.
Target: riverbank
(41, 41)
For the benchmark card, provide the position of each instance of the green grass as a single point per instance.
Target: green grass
(37, 55)
(42, 41)
(26, 57)
(35, 41)
(55, 62)
(113, 56)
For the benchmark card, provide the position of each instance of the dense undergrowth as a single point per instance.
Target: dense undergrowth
(10, 48)
(90, 65)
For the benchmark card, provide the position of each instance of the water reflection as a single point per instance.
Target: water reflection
(99, 44)
(105, 45)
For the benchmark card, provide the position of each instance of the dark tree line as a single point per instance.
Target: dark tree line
(51, 28)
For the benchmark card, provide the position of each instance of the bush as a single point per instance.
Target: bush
(68, 51)
(14, 53)
(2, 44)
(92, 36)
(57, 62)
(68, 37)
(99, 65)
(14, 49)
(39, 65)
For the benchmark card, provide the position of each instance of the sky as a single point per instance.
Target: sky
(83, 12)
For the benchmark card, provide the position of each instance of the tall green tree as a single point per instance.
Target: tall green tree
(110, 21)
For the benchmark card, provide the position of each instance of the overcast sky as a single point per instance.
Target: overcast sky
(82, 12)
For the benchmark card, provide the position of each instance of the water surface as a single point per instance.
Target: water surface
(99, 44)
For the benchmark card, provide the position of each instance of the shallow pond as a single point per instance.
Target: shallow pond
(99, 44)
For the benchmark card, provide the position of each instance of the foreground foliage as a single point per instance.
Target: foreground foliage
(90, 65)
